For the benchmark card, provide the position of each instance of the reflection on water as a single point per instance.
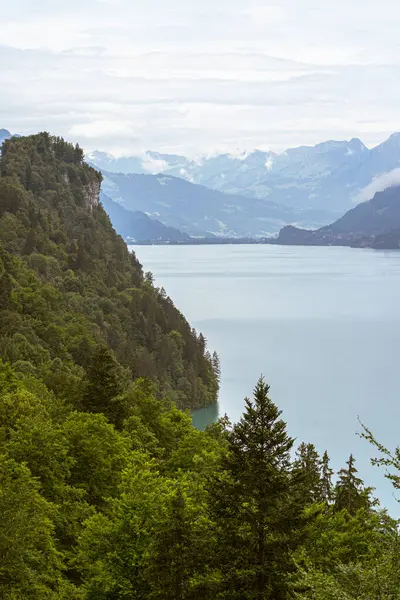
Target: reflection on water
(204, 416)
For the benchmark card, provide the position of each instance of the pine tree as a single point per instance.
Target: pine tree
(307, 468)
(103, 383)
(251, 502)
(350, 493)
(326, 479)
(216, 364)
(202, 342)
(78, 155)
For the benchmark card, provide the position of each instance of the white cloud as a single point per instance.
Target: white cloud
(191, 77)
(154, 165)
(98, 129)
(378, 184)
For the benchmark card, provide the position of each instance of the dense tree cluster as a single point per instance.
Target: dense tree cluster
(107, 491)
(150, 508)
(69, 285)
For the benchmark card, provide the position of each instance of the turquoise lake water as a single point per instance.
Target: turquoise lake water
(321, 324)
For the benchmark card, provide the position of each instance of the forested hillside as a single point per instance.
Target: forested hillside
(72, 296)
(107, 492)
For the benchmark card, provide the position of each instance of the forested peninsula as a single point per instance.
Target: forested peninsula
(107, 491)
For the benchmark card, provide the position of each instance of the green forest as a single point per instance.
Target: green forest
(107, 491)
(72, 296)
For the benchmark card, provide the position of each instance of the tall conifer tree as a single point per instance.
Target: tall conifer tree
(103, 382)
(326, 479)
(350, 493)
(252, 504)
(307, 467)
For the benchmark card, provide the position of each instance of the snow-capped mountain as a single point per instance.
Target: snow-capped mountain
(328, 176)
(103, 160)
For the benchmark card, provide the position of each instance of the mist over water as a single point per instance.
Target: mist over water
(322, 325)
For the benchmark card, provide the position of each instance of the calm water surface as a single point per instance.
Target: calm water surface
(322, 325)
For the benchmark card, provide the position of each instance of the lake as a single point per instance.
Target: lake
(321, 324)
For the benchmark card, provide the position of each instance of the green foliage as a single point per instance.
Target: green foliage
(70, 291)
(326, 479)
(99, 455)
(30, 564)
(105, 382)
(378, 577)
(340, 538)
(307, 465)
(150, 508)
(389, 460)
(8, 381)
(350, 493)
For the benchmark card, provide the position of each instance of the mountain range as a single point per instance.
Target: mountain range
(247, 195)
(328, 177)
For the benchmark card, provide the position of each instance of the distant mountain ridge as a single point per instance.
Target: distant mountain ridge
(201, 211)
(328, 176)
(252, 194)
(375, 223)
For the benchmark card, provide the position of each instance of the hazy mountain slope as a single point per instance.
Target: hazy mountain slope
(372, 223)
(198, 210)
(379, 215)
(137, 226)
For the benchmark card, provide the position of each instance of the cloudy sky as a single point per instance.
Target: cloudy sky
(201, 75)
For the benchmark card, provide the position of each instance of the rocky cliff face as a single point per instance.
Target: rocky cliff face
(91, 194)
